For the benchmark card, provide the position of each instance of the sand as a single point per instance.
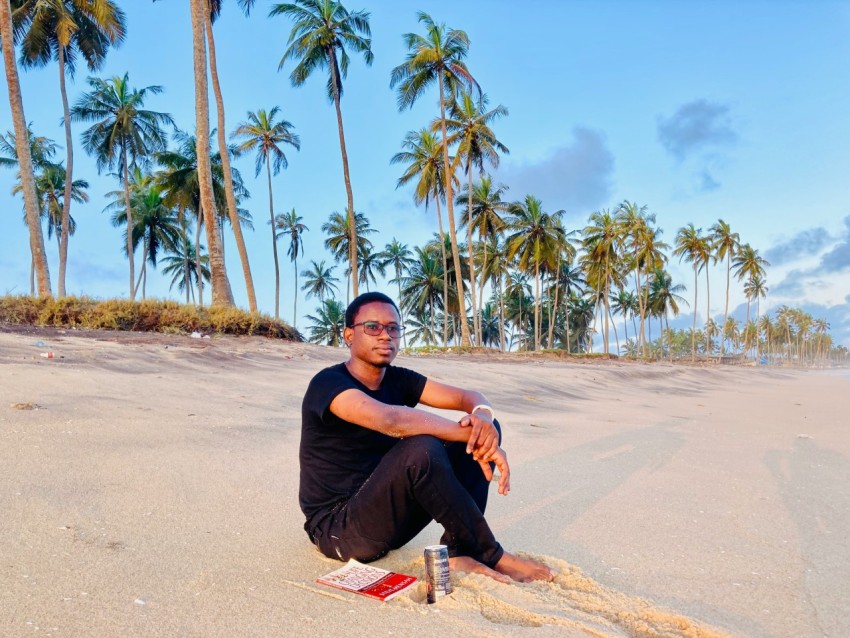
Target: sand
(151, 490)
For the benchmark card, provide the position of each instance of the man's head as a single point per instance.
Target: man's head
(369, 313)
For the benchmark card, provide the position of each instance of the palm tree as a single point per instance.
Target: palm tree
(123, 134)
(339, 236)
(264, 135)
(397, 256)
(469, 126)
(320, 280)
(323, 30)
(756, 288)
(437, 58)
(694, 247)
(725, 245)
(749, 264)
(369, 264)
(664, 298)
(50, 189)
(22, 148)
(536, 238)
(623, 303)
(290, 224)
(180, 183)
(64, 30)
(424, 159)
(517, 290)
(185, 268)
(328, 323)
(222, 295)
(602, 239)
(211, 14)
(422, 285)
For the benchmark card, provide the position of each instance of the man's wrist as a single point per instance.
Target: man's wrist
(486, 408)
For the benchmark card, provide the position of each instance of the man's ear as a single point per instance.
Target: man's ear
(347, 335)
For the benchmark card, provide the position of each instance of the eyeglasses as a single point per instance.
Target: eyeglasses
(375, 328)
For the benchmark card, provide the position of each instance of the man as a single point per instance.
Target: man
(375, 470)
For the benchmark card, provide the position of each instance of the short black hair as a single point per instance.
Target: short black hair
(362, 300)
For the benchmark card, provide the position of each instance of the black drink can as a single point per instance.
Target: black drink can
(438, 582)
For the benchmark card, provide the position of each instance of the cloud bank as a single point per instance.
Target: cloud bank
(576, 176)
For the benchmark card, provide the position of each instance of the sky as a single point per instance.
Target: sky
(701, 111)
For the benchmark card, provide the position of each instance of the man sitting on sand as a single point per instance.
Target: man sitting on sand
(375, 470)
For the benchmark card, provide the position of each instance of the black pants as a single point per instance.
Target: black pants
(421, 479)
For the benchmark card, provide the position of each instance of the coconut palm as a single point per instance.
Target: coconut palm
(211, 14)
(398, 257)
(536, 237)
(422, 285)
(290, 224)
(50, 189)
(323, 33)
(123, 134)
(339, 235)
(24, 158)
(265, 135)
(517, 293)
(469, 127)
(747, 264)
(756, 288)
(63, 30)
(222, 295)
(725, 245)
(328, 323)
(370, 264)
(437, 58)
(423, 155)
(693, 246)
(664, 298)
(602, 243)
(185, 268)
(320, 280)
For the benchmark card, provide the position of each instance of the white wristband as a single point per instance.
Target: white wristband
(485, 407)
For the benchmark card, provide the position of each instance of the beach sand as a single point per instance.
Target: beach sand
(152, 491)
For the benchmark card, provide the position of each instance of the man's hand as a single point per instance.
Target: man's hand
(501, 460)
(484, 439)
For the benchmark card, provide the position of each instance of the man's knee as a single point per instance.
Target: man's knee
(423, 453)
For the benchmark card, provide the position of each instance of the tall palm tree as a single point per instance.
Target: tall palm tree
(22, 148)
(339, 236)
(222, 295)
(185, 268)
(398, 257)
(370, 264)
(265, 135)
(211, 14)
(757, 289)
(63, 30)
(536, 237)
(693, 246)
(664, 298)
(725, 245)
(290, 224)
(747, 265)
(469, 127)
(328, 323)
(423, 155)
(323, 32)
(602, 241)
(50, 189)
(320, 280)
(486, 219)
(123, 134)
(421, 286)
(437, 58)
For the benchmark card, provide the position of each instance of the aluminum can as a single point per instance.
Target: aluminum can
(437, 579)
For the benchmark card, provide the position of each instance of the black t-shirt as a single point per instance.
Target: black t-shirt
(337, 456)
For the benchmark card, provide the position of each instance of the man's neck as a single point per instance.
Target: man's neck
(369, 375)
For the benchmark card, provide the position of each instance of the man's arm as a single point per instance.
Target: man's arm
(449, 397)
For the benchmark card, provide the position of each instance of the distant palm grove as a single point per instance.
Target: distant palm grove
(498, 273)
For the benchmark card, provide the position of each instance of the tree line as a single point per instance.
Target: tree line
(472, 292)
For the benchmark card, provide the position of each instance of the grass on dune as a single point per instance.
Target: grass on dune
(144, 316)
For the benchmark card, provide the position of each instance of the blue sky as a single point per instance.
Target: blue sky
(700, 110)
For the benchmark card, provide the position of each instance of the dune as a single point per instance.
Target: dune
(149, 488)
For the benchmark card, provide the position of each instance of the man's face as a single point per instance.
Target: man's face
(378, 350)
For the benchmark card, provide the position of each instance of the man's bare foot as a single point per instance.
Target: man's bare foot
(523, 570)
(468, 564)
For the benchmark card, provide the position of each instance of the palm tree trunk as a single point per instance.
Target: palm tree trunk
(537, 304)
(295, 297)
(221, 292)
(567, 319)
(614, 325)
(142, 271)
(232, 208)
(553, 313)
(607, 306)
(199, 265)
(22, 147)
(707, 311)
(694, 329)
(184, 232)
(501, 315)
(476, 319)
(352, 227)
(129, 209)
(461, 298)
(32, 274)
(274, 245)
(400, 304)
(69, 176)
(641, 308)
(445, 276)
(726, 312)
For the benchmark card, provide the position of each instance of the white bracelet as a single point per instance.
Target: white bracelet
(485, 407)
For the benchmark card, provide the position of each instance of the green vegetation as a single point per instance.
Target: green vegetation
(145, 316)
